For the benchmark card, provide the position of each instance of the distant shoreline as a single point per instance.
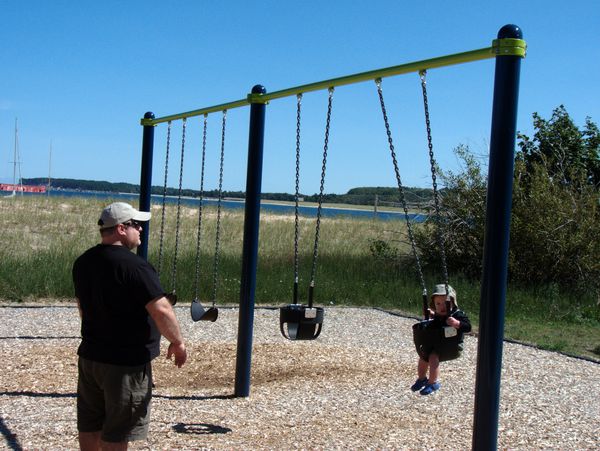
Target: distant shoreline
(284, 203)
(308, 209)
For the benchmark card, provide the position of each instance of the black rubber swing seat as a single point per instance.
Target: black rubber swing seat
(299, 322)
(428, 337)
(199, 313)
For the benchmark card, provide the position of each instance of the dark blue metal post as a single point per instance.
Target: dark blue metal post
(495, 253)
(146, 182)
(250, 247)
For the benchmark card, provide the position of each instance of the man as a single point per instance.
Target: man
(124, 312)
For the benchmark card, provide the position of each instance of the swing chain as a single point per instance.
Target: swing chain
(218, 231)
(297, 192)
(320, 200)
(164, 197)
(439, 234)
(400, 186)
(177, 225)
(201, 201)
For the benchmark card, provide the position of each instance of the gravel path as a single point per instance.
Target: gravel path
(348, 389)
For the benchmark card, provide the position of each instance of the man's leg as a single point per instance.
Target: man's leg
(89, 441)
(114, 446)
(90, 406)
(128, 393)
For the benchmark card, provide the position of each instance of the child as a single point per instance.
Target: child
(456, 319)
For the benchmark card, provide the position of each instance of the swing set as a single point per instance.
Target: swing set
(197, 311)
(305, 322)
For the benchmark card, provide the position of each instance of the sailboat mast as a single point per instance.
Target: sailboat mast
(50, 166)
(17, 178)
(15, 158)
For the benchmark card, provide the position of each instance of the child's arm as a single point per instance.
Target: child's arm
(459, 320)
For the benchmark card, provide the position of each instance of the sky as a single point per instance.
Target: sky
(79, 75)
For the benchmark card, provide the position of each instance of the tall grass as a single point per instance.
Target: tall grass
(42, 236)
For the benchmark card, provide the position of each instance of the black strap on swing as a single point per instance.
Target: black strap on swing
(198, 312)
(163, 206)
(297, 321)
(172, 295)
(403, 199)
(426, 334)
(436, 198)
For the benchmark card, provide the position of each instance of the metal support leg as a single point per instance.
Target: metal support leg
(146, 182)
(495, 254)
(250, 247)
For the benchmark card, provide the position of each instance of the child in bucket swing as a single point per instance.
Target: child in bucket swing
(456, 319)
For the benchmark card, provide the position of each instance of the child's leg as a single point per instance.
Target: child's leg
(434, 367)
(422, 368)
(434, 372)
(422, 375)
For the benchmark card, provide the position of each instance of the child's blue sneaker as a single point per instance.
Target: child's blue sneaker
(419, 384)
(430, 388)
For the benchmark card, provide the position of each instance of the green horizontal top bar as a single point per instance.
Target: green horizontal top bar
(500, 47)
(200, 112)
(387, 72)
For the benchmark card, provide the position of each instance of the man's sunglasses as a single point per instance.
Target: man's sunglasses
(135, 224)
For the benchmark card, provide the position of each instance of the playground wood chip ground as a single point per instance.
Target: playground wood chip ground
(349, 389)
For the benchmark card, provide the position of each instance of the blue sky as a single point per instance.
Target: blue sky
(79, 75)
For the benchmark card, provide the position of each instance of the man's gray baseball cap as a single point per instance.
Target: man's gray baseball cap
(120, 212)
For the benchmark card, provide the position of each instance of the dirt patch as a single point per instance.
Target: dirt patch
(348, 389)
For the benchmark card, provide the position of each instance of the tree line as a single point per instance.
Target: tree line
(355, 196)
(555, 221)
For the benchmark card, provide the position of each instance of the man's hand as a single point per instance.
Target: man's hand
(180, 353)
(163, 315)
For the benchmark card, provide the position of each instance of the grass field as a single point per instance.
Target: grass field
(42, 236)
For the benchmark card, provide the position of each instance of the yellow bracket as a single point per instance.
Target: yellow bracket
(147, 121)
(257, 98)
(509, 47)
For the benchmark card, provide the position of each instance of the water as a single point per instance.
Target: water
(282, 209)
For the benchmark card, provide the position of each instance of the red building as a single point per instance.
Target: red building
(22, 188)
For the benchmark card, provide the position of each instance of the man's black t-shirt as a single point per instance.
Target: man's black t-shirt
(113, 286)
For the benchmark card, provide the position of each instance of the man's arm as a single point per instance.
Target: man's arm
(162, 313)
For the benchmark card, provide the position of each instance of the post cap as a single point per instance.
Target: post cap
(510, 31)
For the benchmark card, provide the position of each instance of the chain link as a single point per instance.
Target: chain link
(400, 186)
(164, 198)
(177, 225)
(297, 193)
(439, 234)
(320, 200)
(218, 231)
(200, 204)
